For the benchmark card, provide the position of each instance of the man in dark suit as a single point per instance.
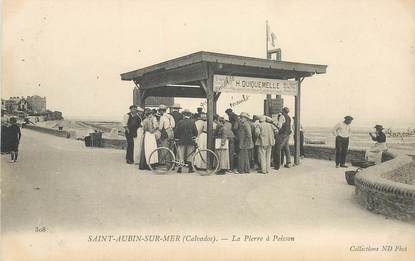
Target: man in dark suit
(131, 123)
(284, 132)
(176, 113)
(185, 133)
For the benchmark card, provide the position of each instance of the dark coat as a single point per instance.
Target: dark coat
(177, 116)
(185, 131)
(245, 136)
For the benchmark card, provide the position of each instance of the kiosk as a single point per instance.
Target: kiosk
(207, 75)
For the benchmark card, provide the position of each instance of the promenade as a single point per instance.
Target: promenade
(75, 192)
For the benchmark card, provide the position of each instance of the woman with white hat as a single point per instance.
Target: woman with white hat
(374, 153)
(201, 126)
(149, 142)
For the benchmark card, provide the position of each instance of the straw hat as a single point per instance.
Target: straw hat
(244, 114)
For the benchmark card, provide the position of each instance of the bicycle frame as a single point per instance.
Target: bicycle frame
(195, 149)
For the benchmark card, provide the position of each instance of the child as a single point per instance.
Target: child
(15, 135)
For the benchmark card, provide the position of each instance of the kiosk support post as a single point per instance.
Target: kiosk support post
(297, 123)
(211, 108)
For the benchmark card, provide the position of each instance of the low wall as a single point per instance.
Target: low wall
(388, 188)
(106, 143)
(328, 153)
(62, 133)
(114, 143)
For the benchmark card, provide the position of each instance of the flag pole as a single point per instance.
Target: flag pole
(266, 38)
(268, 55)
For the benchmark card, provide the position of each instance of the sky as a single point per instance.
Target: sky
(73, 52)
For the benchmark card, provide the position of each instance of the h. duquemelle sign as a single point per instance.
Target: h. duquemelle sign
(226, 83)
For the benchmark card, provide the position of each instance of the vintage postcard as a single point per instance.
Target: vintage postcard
(207, 130)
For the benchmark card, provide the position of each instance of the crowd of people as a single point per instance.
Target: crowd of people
(243, 143)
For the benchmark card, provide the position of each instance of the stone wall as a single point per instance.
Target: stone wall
(62, 133)
(114, 143)
(106, 143)
(382, 189)
(328, 153)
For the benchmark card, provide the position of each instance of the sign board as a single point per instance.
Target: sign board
(276, 106)
(229, 83)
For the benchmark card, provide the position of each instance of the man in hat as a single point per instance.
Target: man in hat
(264, 133)
(234, 120)
(342, 133)
(185, 133)
(175, 112)
(245, 143)
(131, 123)
(199, 111)
(284, 132)
(374, 153)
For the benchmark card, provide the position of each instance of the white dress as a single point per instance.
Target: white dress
(150, 142)
(138, 142)
(201, 158)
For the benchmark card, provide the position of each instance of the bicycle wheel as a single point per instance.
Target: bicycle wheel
(205, 162)
(161, 160)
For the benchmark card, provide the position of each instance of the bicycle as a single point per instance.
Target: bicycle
(165, 160)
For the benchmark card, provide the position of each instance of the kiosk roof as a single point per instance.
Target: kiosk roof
(239, 65)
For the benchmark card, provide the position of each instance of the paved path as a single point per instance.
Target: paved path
(73, 190)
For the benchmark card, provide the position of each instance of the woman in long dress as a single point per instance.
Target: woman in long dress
(221, 146)
(138, 141)
(149, 141)
(201, 140)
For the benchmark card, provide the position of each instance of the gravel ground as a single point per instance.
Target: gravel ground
(77, 192)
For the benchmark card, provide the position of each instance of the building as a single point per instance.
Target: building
(23, 105)
(36, 103)
(11, 105)
(53, 115)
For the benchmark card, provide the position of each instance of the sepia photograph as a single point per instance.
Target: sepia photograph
(207, 130)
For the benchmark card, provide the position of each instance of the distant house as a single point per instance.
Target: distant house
(23, 105)
(37, 104)
(11, 104)
(53, 115)
(3, 105)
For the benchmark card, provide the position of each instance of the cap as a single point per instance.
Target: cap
(228, 110)
(162, 107)
(176, 106)
(140, 109)
(377, 126)
(261, 117)
(244, 114)
(133, 106)
(348, 118)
